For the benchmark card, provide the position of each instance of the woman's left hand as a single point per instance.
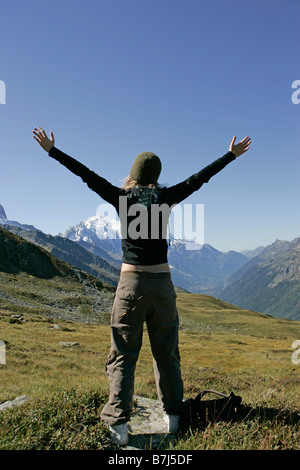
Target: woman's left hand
(41, 137)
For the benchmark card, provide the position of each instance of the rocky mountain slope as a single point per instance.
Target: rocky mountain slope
(270, 282)
(70, 252)
(202, 270)
(99, 234)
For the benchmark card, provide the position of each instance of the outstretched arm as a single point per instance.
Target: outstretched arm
(181, 191)
(95, 182)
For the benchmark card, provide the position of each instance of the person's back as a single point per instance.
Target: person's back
(145, 291)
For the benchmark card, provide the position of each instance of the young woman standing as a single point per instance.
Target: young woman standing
(145, 291)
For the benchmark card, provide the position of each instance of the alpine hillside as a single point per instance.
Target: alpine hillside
(70, 252)
(32, 280)
(270, 282)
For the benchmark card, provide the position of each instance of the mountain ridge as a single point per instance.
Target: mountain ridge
(70, 252)
(265, 279)
(4, 220)
(269, 282)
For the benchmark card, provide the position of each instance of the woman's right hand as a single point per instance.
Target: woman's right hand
(41, 137)
(241, 147)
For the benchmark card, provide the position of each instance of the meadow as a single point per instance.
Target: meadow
(221, 347)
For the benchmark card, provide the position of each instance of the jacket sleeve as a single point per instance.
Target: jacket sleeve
(181, 191)
(101, 186)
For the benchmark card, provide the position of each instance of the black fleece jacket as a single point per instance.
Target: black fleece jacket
(143, 250)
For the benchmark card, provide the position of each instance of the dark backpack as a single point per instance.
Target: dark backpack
(197, 413)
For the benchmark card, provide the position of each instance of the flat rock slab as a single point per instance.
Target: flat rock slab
(147, 428)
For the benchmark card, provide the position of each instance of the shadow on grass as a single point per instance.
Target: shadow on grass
(284, 416)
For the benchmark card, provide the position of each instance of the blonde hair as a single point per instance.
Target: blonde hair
(129, 183)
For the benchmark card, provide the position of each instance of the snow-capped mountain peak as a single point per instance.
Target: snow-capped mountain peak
(97, 230)
(105, 227)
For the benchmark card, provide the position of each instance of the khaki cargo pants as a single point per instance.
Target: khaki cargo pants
(143, 297)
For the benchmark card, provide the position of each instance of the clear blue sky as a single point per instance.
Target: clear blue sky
(177, 77)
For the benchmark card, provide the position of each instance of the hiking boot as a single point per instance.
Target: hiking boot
(172, 422)
(119, 434)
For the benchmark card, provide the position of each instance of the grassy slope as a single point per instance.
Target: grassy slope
(222, 347)
(78, 297)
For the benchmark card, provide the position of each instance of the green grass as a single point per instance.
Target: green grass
(65, 421)
(221, 347)
(60, 296)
